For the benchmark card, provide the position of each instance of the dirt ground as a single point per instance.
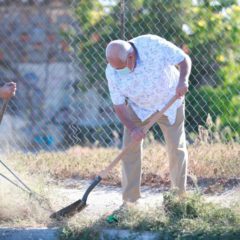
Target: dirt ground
(17, 210)
(103, 200)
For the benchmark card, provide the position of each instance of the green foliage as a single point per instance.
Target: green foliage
(188, 218)
(193, 218)
(177, 209)
(86, 233)
(89, 13)
(154, 16)
(193, 207)
(215, 43)
(218, 102)
(221, 102)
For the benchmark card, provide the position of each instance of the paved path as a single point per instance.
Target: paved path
(105, 199)
(102, 200)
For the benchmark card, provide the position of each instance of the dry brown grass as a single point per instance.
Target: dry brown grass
(205, 160)
(20, 209)
(215, 160)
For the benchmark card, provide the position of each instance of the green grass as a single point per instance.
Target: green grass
(191, 218)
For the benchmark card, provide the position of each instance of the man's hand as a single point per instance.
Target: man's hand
(137, 134)
(182, 89)
(8, 90)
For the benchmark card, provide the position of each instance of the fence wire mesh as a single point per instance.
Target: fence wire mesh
(55, 51)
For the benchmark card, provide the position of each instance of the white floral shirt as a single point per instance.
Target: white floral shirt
(152, 82)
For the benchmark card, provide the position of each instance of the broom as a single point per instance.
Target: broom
(77, 206)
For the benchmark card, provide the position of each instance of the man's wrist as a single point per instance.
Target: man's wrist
(183, 81)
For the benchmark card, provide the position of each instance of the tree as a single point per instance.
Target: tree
(217, 39)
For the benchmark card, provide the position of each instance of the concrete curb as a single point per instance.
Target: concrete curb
(54, 234)
(29, 233)
(113, 234)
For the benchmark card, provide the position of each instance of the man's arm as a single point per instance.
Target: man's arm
(136, 132)
(123, 115)
(185, 70)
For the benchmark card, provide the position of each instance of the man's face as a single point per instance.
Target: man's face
(118, 64)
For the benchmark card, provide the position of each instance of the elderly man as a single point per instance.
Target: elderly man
(8, 90)
(142, 77)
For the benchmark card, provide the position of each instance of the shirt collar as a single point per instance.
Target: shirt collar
(136, 51)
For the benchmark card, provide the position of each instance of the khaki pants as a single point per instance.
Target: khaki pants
(176, 147)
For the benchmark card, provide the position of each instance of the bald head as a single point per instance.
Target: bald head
(117, 52)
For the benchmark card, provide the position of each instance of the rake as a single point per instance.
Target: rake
(43, 202)
(3, 109)
(80, 204)
(22, 185)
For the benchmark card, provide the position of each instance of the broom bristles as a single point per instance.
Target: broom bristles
(70, 210)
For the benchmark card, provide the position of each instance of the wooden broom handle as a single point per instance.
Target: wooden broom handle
(153, 119)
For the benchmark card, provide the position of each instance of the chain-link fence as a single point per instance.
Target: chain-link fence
(55, 51)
